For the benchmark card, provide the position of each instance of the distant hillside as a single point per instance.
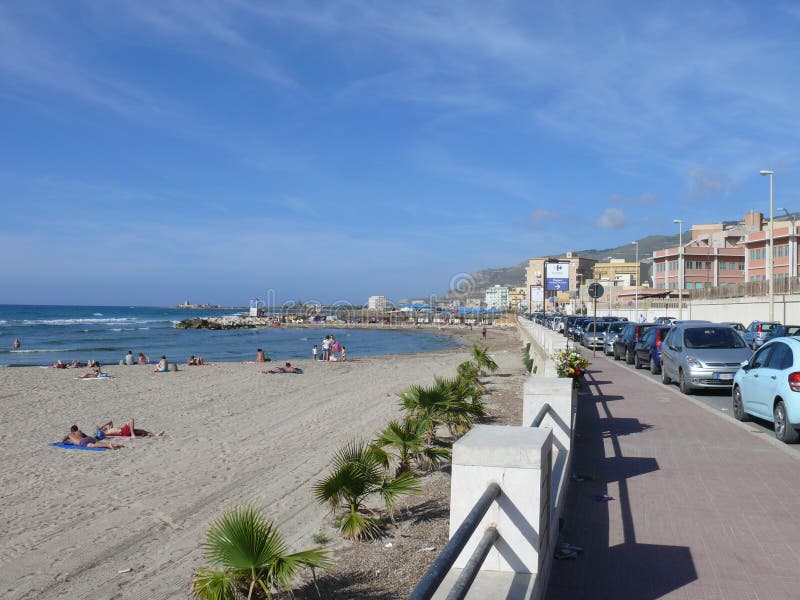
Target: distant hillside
(515, 276)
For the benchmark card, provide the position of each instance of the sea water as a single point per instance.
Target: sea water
(106, 333)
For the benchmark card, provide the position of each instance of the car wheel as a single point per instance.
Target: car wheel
(783, 429)
(664, 377)
(682, 383)
(653, 366)
(629, 357)
(637, 364)
(738, 406)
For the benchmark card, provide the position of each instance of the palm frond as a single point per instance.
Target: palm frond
(403, 484)
(355, 525)
(212, 584)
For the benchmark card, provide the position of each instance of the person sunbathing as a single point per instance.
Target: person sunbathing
(287, 368)
(77, 438)
(127, 430)
(193, 360)
(75, 364)
(58, 365)
(162, 366)
(94, 373)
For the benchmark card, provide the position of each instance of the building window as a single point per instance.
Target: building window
(723, 266)
(740, 266)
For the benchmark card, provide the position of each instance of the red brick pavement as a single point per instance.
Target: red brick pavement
(704, 507)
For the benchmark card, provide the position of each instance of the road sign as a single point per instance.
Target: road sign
(596, 290)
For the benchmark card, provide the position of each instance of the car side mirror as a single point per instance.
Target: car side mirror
(673, 347)
(745, 364)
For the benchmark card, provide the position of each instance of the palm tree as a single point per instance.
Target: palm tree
(247, 551)
(482, 359)
(444, 403)
(465, 406)
(469, 371)
(358, 472)
(408, 441)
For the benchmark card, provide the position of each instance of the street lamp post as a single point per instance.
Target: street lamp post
(610, 283)
(680, 267)
(770, 258)
(637, 279)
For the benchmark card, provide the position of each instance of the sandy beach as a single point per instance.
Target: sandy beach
(74, 520)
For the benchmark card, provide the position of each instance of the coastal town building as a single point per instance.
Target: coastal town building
(618, 270)
(497, 297)
(377, 303)
(517, 295)
(580, 271)
(714, 255)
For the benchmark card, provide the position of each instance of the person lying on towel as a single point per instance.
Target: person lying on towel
(77, 438)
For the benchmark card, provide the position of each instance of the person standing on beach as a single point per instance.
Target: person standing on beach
(314, 353)
(326, 348)
(483, 333)
(344, 354)
(17, 344)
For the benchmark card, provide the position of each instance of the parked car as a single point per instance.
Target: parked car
(756, 333)
(737, 326)
(594, 334)
(577, 328)
(663, 320)
(612, 333)
(647, 351)
(568, 323)
(702, 355)
(626, 342)
(782, 331)
(767, 386)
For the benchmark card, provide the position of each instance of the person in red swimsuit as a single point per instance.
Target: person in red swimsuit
(127, 430)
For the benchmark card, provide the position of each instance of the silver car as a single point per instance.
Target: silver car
(594, 338)
(613, 331)
(702, 356)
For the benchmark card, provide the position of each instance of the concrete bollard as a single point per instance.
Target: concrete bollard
(519, 459)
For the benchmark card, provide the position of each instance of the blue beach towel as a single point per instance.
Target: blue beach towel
(74, 447)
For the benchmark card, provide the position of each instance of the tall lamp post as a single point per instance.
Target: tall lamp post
(610, 283)
(680, 267)
(637, 279)
(770, 258)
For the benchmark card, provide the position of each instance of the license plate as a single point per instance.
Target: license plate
(726, 376)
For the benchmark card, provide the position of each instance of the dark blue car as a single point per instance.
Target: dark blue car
(648, 349)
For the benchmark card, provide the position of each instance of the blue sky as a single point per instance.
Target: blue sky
(153, 151)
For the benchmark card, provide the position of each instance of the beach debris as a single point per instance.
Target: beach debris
(121, 571)
(428, 549)
(602, 497)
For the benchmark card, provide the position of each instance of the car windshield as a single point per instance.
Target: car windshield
(601, 326)
(712, 337)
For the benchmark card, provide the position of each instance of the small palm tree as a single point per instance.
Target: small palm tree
(482, 359)
(464, 407)
(248, 551)
(426, 404)
(359, 472)
(469, 370)
(408, 442)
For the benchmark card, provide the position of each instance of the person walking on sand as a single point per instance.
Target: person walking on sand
(314, 353)
(483, 333)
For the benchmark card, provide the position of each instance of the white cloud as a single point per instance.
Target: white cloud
(612, 218)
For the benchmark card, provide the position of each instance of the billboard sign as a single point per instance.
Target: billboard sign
(556, 277)
(537, 294)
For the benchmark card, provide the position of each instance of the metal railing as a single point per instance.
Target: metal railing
(436, 573)
(541, 414)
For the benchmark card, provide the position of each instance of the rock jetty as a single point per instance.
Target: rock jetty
(224, 323)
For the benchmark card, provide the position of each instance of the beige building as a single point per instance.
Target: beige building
(580, 271)
(619, 271)
(517, 295)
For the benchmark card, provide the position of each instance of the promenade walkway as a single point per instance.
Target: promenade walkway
(704, 507)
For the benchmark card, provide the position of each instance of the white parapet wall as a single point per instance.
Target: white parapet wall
(543, 343)
(518, 459)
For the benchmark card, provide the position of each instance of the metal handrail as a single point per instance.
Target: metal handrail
(540, 415)
(436, 573)
(461, 587)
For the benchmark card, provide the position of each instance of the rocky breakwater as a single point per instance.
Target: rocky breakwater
(224, 323)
